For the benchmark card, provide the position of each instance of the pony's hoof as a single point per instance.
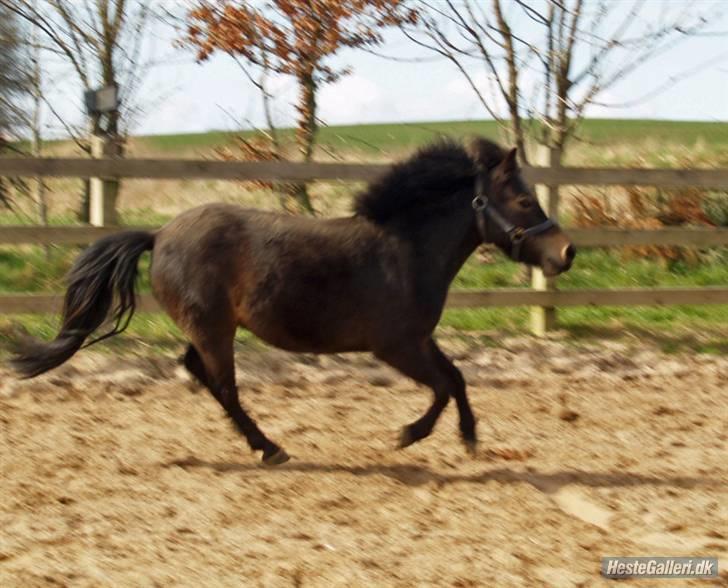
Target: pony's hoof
(276, 458)
(405, 438)
(471, 446)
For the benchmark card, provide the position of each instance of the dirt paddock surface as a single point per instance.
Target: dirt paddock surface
(117, 471)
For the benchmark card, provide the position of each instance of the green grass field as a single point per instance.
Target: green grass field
(375, 139)
(601, 142)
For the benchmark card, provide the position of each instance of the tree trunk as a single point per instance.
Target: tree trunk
(306, 133)
(39, 189)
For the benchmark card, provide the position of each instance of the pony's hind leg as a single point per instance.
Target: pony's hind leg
(193, 362)
(213, 365)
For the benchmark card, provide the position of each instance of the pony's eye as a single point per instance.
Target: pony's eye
(525, 203)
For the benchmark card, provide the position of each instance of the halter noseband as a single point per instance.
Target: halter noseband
(485, 211)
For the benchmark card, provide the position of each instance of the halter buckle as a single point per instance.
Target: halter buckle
(518, 235)
(479, 203)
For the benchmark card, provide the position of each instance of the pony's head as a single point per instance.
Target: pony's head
(508, 214)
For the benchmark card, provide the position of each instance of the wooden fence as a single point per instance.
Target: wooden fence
(546, 297)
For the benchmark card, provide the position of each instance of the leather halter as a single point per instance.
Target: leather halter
(485, 211)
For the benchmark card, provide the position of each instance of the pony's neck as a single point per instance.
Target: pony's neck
(455, 239)
(440, 247)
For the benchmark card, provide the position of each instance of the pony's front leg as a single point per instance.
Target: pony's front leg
(457, 391)
(425, 363)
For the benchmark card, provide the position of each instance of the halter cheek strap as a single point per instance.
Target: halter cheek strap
(485, 211)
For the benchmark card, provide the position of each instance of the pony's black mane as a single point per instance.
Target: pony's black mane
(428, 180)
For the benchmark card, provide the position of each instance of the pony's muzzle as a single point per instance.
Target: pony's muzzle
(558, 256)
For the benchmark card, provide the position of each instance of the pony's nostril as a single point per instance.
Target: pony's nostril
(568, 253)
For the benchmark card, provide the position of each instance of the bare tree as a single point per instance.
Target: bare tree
(35, 122)
(104, 44)
(13, 73)
(14, 84)
(572, 51)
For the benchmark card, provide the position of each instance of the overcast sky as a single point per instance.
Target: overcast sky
(183, 96)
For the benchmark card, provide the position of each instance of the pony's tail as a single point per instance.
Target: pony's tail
(103, 274)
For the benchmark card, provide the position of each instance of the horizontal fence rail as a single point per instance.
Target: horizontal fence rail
(188, 169)
(191, 169)
(595, 297)
(502, 297)
(290, 171)
(596, 237)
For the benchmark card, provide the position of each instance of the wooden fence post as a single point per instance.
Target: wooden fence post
(103, 192)
(543, 318)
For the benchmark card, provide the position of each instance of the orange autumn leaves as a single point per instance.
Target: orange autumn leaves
(295, 38)
(292, 37)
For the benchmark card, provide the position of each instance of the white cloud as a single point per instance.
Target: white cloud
(463, 99)
(354, 98)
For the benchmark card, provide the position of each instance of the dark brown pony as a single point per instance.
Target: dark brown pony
(375, 281)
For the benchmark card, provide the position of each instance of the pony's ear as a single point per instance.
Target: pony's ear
(510, 162)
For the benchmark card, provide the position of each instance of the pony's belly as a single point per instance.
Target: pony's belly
(302, 308)
(279, 336)
(329, 326)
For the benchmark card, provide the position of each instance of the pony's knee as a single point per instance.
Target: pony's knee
(456, 383)
(442, 396)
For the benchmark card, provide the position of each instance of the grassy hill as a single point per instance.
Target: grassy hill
(376, 138)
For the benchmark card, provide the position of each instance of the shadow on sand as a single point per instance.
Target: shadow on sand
(417, 475)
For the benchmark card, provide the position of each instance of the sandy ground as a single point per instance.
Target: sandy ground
(119, 472)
